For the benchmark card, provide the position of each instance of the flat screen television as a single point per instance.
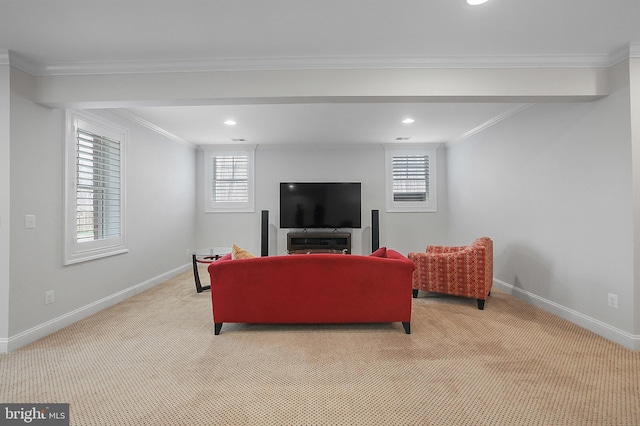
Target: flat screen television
(320, 204)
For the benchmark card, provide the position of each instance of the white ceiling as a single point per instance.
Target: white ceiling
(322, 124)
(80, 36)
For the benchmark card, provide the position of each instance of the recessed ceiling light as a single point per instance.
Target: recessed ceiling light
(230, 123)
(408, 121)
(475, 2)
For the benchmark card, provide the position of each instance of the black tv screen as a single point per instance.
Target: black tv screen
(320, 205)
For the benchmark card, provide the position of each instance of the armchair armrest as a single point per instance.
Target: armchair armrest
(444, 249)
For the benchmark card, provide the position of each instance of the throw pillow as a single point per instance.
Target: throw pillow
(240, 253)
(381, 252)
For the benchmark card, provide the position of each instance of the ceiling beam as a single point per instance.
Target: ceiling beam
(347, 85)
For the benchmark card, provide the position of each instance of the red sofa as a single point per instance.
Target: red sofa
(312, 288)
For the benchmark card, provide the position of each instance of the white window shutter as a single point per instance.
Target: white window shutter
(410, 177)
(229, 179)
(98, 187)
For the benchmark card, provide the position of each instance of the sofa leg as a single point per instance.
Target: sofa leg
(415, 292)
(217, 326)
(480, 304)
(407, 327)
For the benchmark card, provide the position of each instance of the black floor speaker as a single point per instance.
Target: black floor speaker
(264, 233)
(375, 230)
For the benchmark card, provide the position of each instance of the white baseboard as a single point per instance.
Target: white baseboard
(31, 335)
(605, 330)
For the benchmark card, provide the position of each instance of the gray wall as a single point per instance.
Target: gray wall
(401, 231)
(552, 187)
(160, 218)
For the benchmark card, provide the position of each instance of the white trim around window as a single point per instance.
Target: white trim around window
(411, 178)
(94, 190)
(229, 179)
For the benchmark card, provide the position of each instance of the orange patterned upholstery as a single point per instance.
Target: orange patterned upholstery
(461, 271)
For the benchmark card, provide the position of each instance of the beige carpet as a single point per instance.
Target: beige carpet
(153, 360)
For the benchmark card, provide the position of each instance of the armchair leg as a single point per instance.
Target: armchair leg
(415, 292)
(407, 327)
(216, 328)
(480, 304)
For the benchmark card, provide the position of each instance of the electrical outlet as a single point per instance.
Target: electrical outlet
(48, 297)
(612, 300)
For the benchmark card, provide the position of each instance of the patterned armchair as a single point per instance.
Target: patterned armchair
(461, 271)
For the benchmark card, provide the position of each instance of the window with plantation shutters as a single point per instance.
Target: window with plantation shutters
(97, 187)
(411, 179)
(94, 188)
(230, 178)
(229, 181)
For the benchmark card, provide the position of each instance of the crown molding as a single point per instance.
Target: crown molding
(340, 62)
(495, 120)
(22, 63)
(144, 123)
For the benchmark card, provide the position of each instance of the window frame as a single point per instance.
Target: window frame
(429, 205)
(210, 206)
(74, 251)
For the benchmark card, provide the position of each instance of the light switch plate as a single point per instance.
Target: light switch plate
(30, 221)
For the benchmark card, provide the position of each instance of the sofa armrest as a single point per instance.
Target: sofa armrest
(392, 254)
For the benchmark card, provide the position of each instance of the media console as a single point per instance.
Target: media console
(318, 242)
